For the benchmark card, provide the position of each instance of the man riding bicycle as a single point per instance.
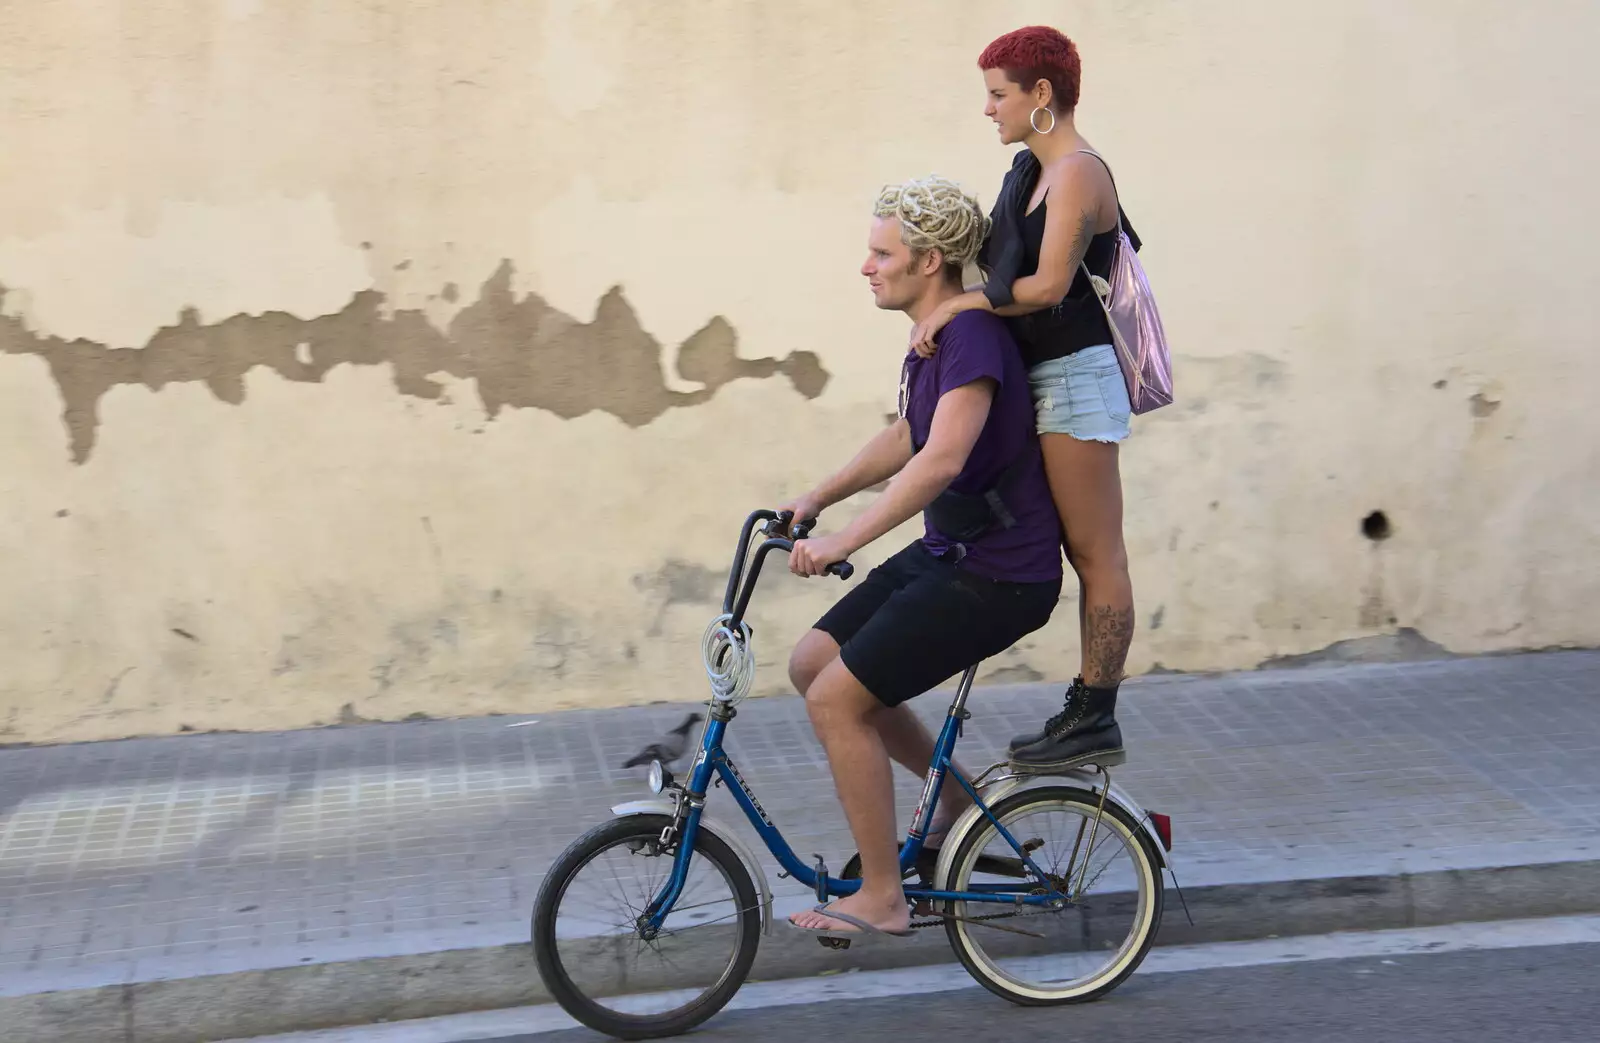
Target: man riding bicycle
(986, 572)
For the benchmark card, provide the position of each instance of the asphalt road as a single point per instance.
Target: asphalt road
(1528, 995)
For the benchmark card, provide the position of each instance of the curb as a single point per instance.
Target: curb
(398, 988)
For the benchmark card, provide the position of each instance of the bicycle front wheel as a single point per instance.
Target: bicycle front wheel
(1101, 864)
(599, 963)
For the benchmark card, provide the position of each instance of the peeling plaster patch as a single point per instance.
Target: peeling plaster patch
(520, 353)
(1483, 406)
(1405, 645)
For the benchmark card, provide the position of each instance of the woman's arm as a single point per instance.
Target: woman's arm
(1068, 226)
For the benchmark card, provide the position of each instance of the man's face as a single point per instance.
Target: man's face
(895, 276)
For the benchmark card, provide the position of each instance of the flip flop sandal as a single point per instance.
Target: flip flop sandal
(862, 927)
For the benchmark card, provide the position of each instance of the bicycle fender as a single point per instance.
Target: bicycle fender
(1125, 800)
(667, 806)
(997, 791)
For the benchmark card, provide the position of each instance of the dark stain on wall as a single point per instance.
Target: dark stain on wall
(521, 353)
(681, 583)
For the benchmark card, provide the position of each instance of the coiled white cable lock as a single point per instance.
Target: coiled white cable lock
(729, 660)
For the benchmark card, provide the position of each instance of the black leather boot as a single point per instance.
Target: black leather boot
(1032, 737)
(1084, 732)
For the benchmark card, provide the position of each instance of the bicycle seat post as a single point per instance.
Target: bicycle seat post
(958, 706)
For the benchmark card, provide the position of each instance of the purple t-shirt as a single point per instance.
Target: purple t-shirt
(973, 345)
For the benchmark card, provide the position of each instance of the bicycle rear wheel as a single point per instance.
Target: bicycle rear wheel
(594, 958)
(1042, 956)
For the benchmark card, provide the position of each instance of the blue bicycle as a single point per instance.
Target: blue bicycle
(1049, 888)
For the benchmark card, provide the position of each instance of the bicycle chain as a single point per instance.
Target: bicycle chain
(969, 919)
(941, 921)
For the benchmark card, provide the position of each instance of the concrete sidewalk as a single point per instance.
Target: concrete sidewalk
(169, 860)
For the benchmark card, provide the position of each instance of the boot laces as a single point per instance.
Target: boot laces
(1072, 711)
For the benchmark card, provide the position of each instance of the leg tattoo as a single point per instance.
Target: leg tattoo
(1109, 635)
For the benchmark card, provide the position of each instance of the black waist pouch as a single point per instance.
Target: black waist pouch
(966, 516)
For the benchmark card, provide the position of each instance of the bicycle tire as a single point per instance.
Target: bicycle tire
(628, 1026)
(968, 847)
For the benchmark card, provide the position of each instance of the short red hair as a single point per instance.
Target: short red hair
(1034, 53)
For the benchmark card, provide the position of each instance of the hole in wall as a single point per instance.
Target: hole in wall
(1375, 526)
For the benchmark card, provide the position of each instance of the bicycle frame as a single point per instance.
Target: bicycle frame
(712, 762)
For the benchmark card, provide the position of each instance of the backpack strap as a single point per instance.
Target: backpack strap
(1122, 218)
(1113, 177)
(1118, 345)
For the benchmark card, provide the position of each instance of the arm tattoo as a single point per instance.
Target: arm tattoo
(1108, 634)
(1080, 244)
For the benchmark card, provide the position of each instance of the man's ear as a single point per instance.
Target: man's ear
(931, 262)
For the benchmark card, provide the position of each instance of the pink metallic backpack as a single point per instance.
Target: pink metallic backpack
(1136, 329)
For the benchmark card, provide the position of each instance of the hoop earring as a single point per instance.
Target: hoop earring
(1034, 114)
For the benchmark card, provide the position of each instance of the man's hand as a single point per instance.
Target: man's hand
(804, 508)
(811, 556)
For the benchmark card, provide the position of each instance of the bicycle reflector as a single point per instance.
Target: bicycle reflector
(1163, 824)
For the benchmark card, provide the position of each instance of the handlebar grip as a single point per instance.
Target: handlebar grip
(784, 525)
(842, 569)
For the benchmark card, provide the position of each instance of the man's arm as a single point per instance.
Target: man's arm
(958, 420)
(879, 460)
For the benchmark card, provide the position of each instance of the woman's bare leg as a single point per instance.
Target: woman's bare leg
(1086, 484)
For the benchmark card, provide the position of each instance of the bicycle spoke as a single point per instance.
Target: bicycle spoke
(708, 923)
(621, 890)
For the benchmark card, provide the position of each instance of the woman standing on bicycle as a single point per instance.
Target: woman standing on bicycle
(1056, 213)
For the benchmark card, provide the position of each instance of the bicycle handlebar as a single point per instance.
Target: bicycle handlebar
(842, 569)
(799, 531)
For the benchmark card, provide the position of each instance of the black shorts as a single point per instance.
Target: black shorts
(917, 620)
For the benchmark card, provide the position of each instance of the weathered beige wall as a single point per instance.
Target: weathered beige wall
(360, 360)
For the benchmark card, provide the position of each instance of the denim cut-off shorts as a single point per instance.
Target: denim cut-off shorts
(1082, 395)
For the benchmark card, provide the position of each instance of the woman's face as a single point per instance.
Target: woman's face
(1009, 106)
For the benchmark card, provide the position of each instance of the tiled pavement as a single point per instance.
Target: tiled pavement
(153, 858)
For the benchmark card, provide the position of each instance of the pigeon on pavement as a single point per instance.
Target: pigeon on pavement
(668, 748)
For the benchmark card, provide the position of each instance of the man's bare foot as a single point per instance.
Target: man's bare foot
(885, 916)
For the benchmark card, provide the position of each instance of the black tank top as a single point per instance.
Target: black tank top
(1078, 321)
